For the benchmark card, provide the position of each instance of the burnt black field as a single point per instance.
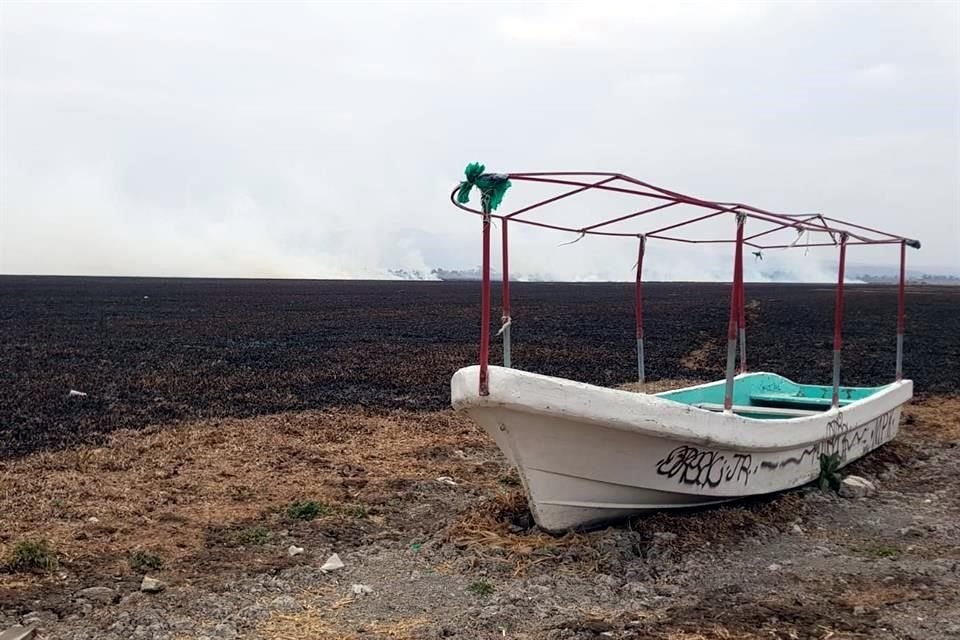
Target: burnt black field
(156, 351)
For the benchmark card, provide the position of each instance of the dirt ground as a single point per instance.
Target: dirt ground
(225, 426)
(210, 500)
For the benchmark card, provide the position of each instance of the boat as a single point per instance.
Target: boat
(587, 455)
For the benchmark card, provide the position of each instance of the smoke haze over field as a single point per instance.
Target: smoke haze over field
(322, 139)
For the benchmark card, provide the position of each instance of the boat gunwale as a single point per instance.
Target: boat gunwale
(669, 419)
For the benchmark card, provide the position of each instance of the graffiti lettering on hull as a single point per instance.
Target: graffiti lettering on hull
(707, 468)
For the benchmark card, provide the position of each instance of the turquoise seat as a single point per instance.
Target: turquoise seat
(787, 400)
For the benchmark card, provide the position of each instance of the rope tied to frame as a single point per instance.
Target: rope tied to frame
(507, 321)
(493, 186)
(583, 234)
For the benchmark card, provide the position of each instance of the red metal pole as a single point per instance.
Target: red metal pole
(732, 324)
(901, 320)
(485, 309)
(505, 302)
(838, 322)
(741, 315)
(638, 309)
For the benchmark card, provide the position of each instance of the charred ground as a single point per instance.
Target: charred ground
(153, 351)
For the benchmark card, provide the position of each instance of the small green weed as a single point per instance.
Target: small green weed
(33, 555)
(830, 472)
(253, 536)
(510, 481)
(356, 510)
(481, 588)
(306, 510)
(881, 551)
(143, 561)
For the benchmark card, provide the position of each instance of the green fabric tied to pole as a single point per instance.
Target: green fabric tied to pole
(492, 186)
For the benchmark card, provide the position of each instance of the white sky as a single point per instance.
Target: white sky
(322, 139)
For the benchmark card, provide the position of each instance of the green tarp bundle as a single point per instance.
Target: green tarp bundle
(492, 186)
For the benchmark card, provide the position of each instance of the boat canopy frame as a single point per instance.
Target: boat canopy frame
(839, 233)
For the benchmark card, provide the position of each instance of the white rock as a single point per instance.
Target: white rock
(361, 589)
(332, 564)
(447, 480)
(774, 567)
(856, 487)
(93, 519)
(76, 394)
(151, 585)
(797, 529)
(294, 550)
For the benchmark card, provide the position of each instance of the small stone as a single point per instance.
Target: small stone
(93, 519)
(294, 550)
(151, 585)
(859, 610)
(664, 536)
(333, 563)
(797, 529)
(285, 603)
(106, 595)
(361, 589)
(856, 487)
(910, 531)
(774, 567)
(666, 589)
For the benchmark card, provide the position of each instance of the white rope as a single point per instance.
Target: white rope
(583, 234)
(506, 323)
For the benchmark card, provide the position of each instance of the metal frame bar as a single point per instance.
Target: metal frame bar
(638, 313)
(901, 320)
(485, 311)
(838, 323)
(505, 318)
(817, 223)
(732, 324)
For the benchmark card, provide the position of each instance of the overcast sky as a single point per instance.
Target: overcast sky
(322, 139)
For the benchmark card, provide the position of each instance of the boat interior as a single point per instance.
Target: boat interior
(768, 396)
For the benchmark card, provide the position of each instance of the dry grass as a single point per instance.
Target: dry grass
(714, 632)
(163, 489)
(934, 418)
(706, 357)
(487, 528)
(314, 623)
(659, 386)
(876, 596)
(703, 358)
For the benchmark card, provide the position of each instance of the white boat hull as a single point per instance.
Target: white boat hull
(589, 454)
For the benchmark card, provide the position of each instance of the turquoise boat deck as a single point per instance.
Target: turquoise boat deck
(768, 396)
